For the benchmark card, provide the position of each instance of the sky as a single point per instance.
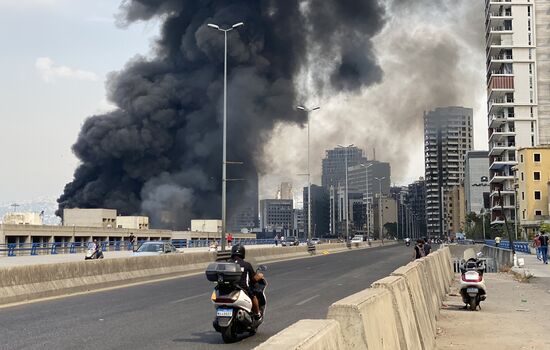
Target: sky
(57, 55)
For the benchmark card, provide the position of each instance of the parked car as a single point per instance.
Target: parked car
(290, 241)
(357, 239)
(315, 240)
(155, 248)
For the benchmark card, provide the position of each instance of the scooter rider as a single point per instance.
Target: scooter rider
(248, 278)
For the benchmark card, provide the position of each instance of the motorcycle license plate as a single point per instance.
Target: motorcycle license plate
(224, 312)
(471, 290)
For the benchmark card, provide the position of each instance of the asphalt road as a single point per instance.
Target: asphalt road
(178, 314)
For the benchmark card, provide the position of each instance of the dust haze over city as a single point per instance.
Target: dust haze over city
(373, 67)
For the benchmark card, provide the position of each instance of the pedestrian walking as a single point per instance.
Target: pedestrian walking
(418, 249)
(131, 239)
(229, 239)
(544, 247)
(536, 245)
(277, 239)
(497, 241)
(427, 247)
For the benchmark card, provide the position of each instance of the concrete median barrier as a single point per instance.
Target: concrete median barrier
(420, 300)
(28, 282)
(440, 273)
(307, 335)
(407, 327)
(366, 320)
(430, 280)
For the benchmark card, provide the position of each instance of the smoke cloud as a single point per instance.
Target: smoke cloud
(159, 152)
(431, 53)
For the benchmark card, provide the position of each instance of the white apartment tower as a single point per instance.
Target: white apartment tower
(448, 135)
(518, 90)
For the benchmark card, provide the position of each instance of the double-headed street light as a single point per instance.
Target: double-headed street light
(380, 207)
(346, 195)
(224, 162)
(367, 210)
(308, 110)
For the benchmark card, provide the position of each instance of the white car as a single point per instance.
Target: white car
(357, 239)
(315, 240)
(155, 248)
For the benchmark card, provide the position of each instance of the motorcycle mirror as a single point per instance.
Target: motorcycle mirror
(262, 268)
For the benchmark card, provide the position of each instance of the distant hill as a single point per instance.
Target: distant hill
(49, 205)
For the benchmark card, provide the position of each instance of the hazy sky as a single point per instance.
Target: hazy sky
(56, 55)
(54, 61)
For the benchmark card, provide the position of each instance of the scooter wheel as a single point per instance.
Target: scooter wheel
(228, 334)
(473, 304)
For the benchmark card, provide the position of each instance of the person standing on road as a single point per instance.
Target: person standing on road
(497, 241)
(229, 239)
(536, 245)
(277, 239)
(131, 241)
(544, 247)
(418, 249)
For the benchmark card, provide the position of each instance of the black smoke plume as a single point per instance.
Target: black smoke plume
(159, 153)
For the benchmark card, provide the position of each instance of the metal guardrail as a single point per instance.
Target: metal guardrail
(523, 247)
(53, 248)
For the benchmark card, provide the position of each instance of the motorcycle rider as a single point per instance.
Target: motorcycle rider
(248, 278)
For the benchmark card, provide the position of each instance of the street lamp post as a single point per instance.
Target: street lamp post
(380, 207)
(308, 110)
(224, 161)
(346, 195)
(367, 209)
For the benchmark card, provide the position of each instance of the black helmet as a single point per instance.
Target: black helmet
(238, 250)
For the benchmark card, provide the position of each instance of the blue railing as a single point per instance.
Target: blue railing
(16, 249)
(518, 246)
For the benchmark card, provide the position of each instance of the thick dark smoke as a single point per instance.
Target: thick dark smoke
(159, 152)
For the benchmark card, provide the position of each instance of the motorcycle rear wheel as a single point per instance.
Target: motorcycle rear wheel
(473, 304)
(228, 334)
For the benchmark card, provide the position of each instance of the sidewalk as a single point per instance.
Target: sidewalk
(533, 266)
(514, 316)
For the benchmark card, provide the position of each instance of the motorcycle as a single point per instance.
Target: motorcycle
(92, 253)
(233, 306)
(472, 285)
(407, 242)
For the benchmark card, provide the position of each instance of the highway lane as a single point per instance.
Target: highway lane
(178, 314)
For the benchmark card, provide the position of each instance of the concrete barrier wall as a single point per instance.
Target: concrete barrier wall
(366, 320)
(22, 283)
(307, 335)
(397, 312)
(503, 257)
(409, 337)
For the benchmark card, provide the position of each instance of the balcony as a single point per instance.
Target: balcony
(500, 103)
(497, 120)
(500, 177)
(504, 193)
(499, 163)
(498, 148)
(501, 134)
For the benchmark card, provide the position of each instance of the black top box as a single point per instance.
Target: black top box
(224, 272)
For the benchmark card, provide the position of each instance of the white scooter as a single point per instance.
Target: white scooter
(472, 284)
(233, 305)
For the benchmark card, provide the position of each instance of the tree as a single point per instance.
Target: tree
(545, 227)
(391, 228)
(474, 226)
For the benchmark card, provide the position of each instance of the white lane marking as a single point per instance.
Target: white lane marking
(189, 298)
(308, 299)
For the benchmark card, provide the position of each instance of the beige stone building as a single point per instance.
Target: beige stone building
(455, 209)
(532, 176)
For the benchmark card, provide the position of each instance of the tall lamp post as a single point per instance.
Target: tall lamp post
(380, 207)
(308, 110)
(224, 162)
(367, 209)
(346, 196)
(484, 181)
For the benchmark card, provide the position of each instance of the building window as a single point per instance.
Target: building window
(523, 214)
(522, 179)
(538, 212)
(521, 158)
(530, 68)
(536, 175)
(522, 196)
(537, 195)
(532, 140)
(536, 157)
